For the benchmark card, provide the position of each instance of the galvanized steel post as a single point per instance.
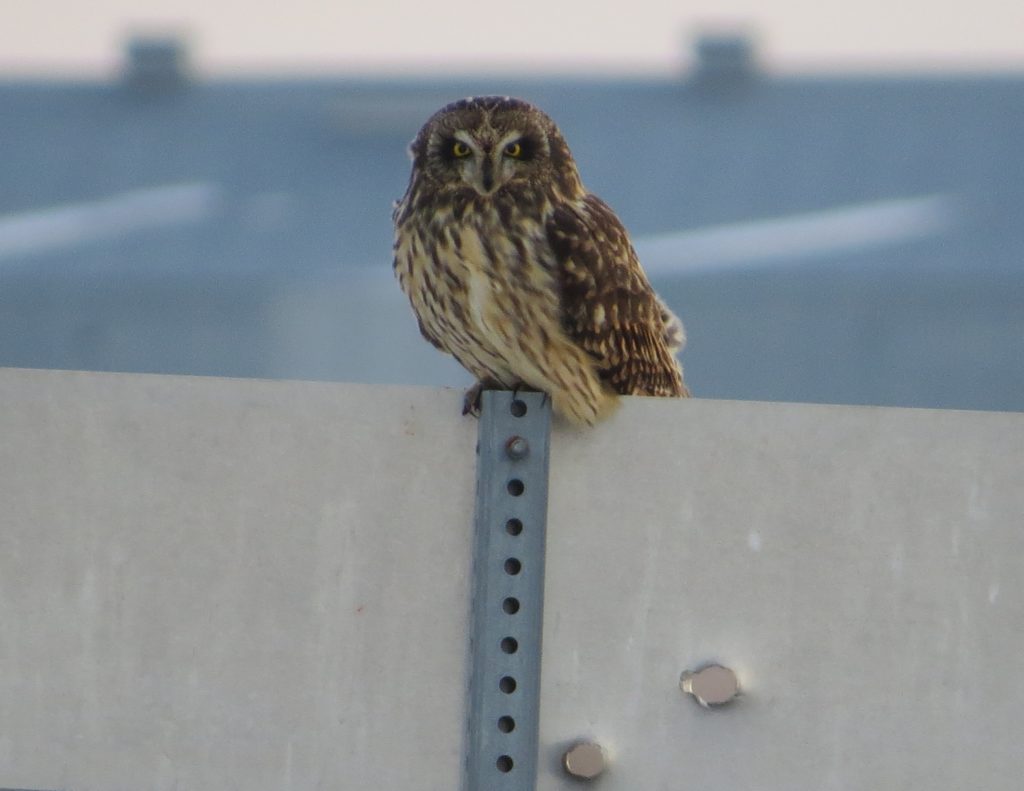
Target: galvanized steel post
(508, 591)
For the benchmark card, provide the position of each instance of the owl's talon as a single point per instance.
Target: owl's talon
(522, 387)
(473, 401)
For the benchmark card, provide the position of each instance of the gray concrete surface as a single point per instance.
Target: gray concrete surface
(240, 584)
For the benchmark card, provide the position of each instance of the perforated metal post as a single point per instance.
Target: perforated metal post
(508, 591)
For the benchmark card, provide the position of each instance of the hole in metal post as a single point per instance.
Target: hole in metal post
(510, 605)
(509, 645)
(513, 566)
(513, 527)
(507, 685)
(518, 408)
(516, 487)
(506, 724)
(504, 763)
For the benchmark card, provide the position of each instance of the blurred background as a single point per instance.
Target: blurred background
(831, 197)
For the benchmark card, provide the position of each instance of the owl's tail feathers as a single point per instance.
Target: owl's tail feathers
(585, 408)
(674, 332)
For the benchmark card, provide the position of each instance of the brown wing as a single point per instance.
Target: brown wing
(608, 306)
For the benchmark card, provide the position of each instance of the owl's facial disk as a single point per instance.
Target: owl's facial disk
(487, 164)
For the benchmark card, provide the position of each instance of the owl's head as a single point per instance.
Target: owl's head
(491, 142)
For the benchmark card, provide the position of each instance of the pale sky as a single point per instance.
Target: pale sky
(406, 36)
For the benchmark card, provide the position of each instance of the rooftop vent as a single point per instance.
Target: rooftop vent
(156, 62)
(724, 59)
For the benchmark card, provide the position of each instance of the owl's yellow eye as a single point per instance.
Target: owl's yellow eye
(514, 150)
(460, 149)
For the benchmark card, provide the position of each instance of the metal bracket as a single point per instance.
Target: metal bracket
(508, 591)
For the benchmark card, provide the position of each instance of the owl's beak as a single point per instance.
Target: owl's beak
(487, 175)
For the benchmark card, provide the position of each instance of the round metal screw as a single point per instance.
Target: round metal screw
(517, 448)
(584, 760)
(713, 685)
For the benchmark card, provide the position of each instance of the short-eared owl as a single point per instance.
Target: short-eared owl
(519, 272)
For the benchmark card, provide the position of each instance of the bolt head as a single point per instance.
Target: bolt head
(713, 685)
(517, 448)
(585, 760)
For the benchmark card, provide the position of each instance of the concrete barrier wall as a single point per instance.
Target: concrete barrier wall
(221, 584)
